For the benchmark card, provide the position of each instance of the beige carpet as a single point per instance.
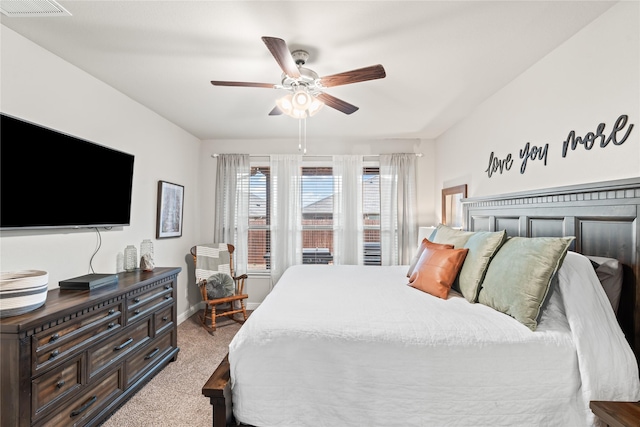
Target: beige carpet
(173, 398)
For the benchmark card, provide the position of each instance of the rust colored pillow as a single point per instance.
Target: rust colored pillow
(437, 269)
(425, 244)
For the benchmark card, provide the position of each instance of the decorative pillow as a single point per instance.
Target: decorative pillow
(482, 245)
(219, 285)
(457, 238)
(436, 270)
(425, 243)
(519, 276)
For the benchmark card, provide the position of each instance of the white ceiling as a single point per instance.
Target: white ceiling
(442, 58)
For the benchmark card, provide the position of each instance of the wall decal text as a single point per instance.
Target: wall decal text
(590, 138)
(497, 165)
(532, 152)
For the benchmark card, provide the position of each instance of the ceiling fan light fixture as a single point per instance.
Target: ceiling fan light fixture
(301, 99)
(299, 105)
(285, 104)
(316, 105)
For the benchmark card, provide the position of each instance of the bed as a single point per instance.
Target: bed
(357, 346)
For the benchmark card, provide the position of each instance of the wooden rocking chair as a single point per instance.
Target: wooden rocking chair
(208, 319)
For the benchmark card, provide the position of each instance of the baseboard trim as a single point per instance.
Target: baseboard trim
(190, 312)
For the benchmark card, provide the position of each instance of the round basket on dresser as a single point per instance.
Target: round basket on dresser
(22, 291)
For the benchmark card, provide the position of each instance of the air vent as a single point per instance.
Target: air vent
(31, 8)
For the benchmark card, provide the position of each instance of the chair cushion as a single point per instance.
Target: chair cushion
(220, 285)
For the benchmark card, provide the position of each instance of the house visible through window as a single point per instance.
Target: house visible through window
(317, 216)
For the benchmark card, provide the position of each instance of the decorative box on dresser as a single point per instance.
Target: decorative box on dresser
(76, 359)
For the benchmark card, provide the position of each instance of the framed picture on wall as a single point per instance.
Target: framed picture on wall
(452, 214)
(170, 207)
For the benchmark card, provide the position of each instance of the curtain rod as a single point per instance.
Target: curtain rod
(316, 155)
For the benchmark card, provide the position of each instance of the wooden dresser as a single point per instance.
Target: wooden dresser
(73, 361)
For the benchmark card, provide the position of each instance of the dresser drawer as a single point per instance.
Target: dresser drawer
(88, 403)
(141, 362)
(50, 387)
(114, 349)
(146, 302)
(55, 344)
(164, 319)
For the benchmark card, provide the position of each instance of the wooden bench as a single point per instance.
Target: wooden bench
(218, 390)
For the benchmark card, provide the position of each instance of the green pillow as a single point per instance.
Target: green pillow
(451, 236)
(482, 245)
(519, 276)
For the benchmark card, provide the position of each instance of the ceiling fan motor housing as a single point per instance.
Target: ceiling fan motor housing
(308, 78)
(300, 57)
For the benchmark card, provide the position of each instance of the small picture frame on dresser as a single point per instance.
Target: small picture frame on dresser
(170, 208)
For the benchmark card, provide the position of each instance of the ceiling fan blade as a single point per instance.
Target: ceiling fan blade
(243, 84)
(276, 111)
(354, 76)
(336, 103)
(280, 52)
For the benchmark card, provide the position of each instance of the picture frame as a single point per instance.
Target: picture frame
(170, 210)
(452, 212)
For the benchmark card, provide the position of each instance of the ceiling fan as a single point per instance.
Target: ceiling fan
(306, 89)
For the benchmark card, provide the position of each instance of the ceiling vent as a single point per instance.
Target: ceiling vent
(31, 8)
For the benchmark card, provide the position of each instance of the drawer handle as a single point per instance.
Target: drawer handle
(111, 312)
(60, 384)
(165, 318)
(54, 354)
(85, 406)
(167, 286)
(123, 345)
(167, 297)
(54, 337)
(152, 354)
(136, 312)
(136, 300)
(111, 325)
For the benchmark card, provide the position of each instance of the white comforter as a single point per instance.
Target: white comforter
(356, 346)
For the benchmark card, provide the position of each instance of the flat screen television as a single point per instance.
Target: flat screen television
(49, 179)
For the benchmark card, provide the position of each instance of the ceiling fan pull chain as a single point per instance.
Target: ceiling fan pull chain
(305, 136)
(299, 134)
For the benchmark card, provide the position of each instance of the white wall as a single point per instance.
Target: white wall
(593, 78)
(40, 87)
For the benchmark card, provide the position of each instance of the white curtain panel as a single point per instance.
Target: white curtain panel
(347, 210)
(231, 221)
(398, 225)
(286, 213)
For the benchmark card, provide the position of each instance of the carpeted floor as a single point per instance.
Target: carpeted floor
(173, 398)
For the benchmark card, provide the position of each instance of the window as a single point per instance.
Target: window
(259, 246)
(317, 215)
(371, 213)
(317, 192)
